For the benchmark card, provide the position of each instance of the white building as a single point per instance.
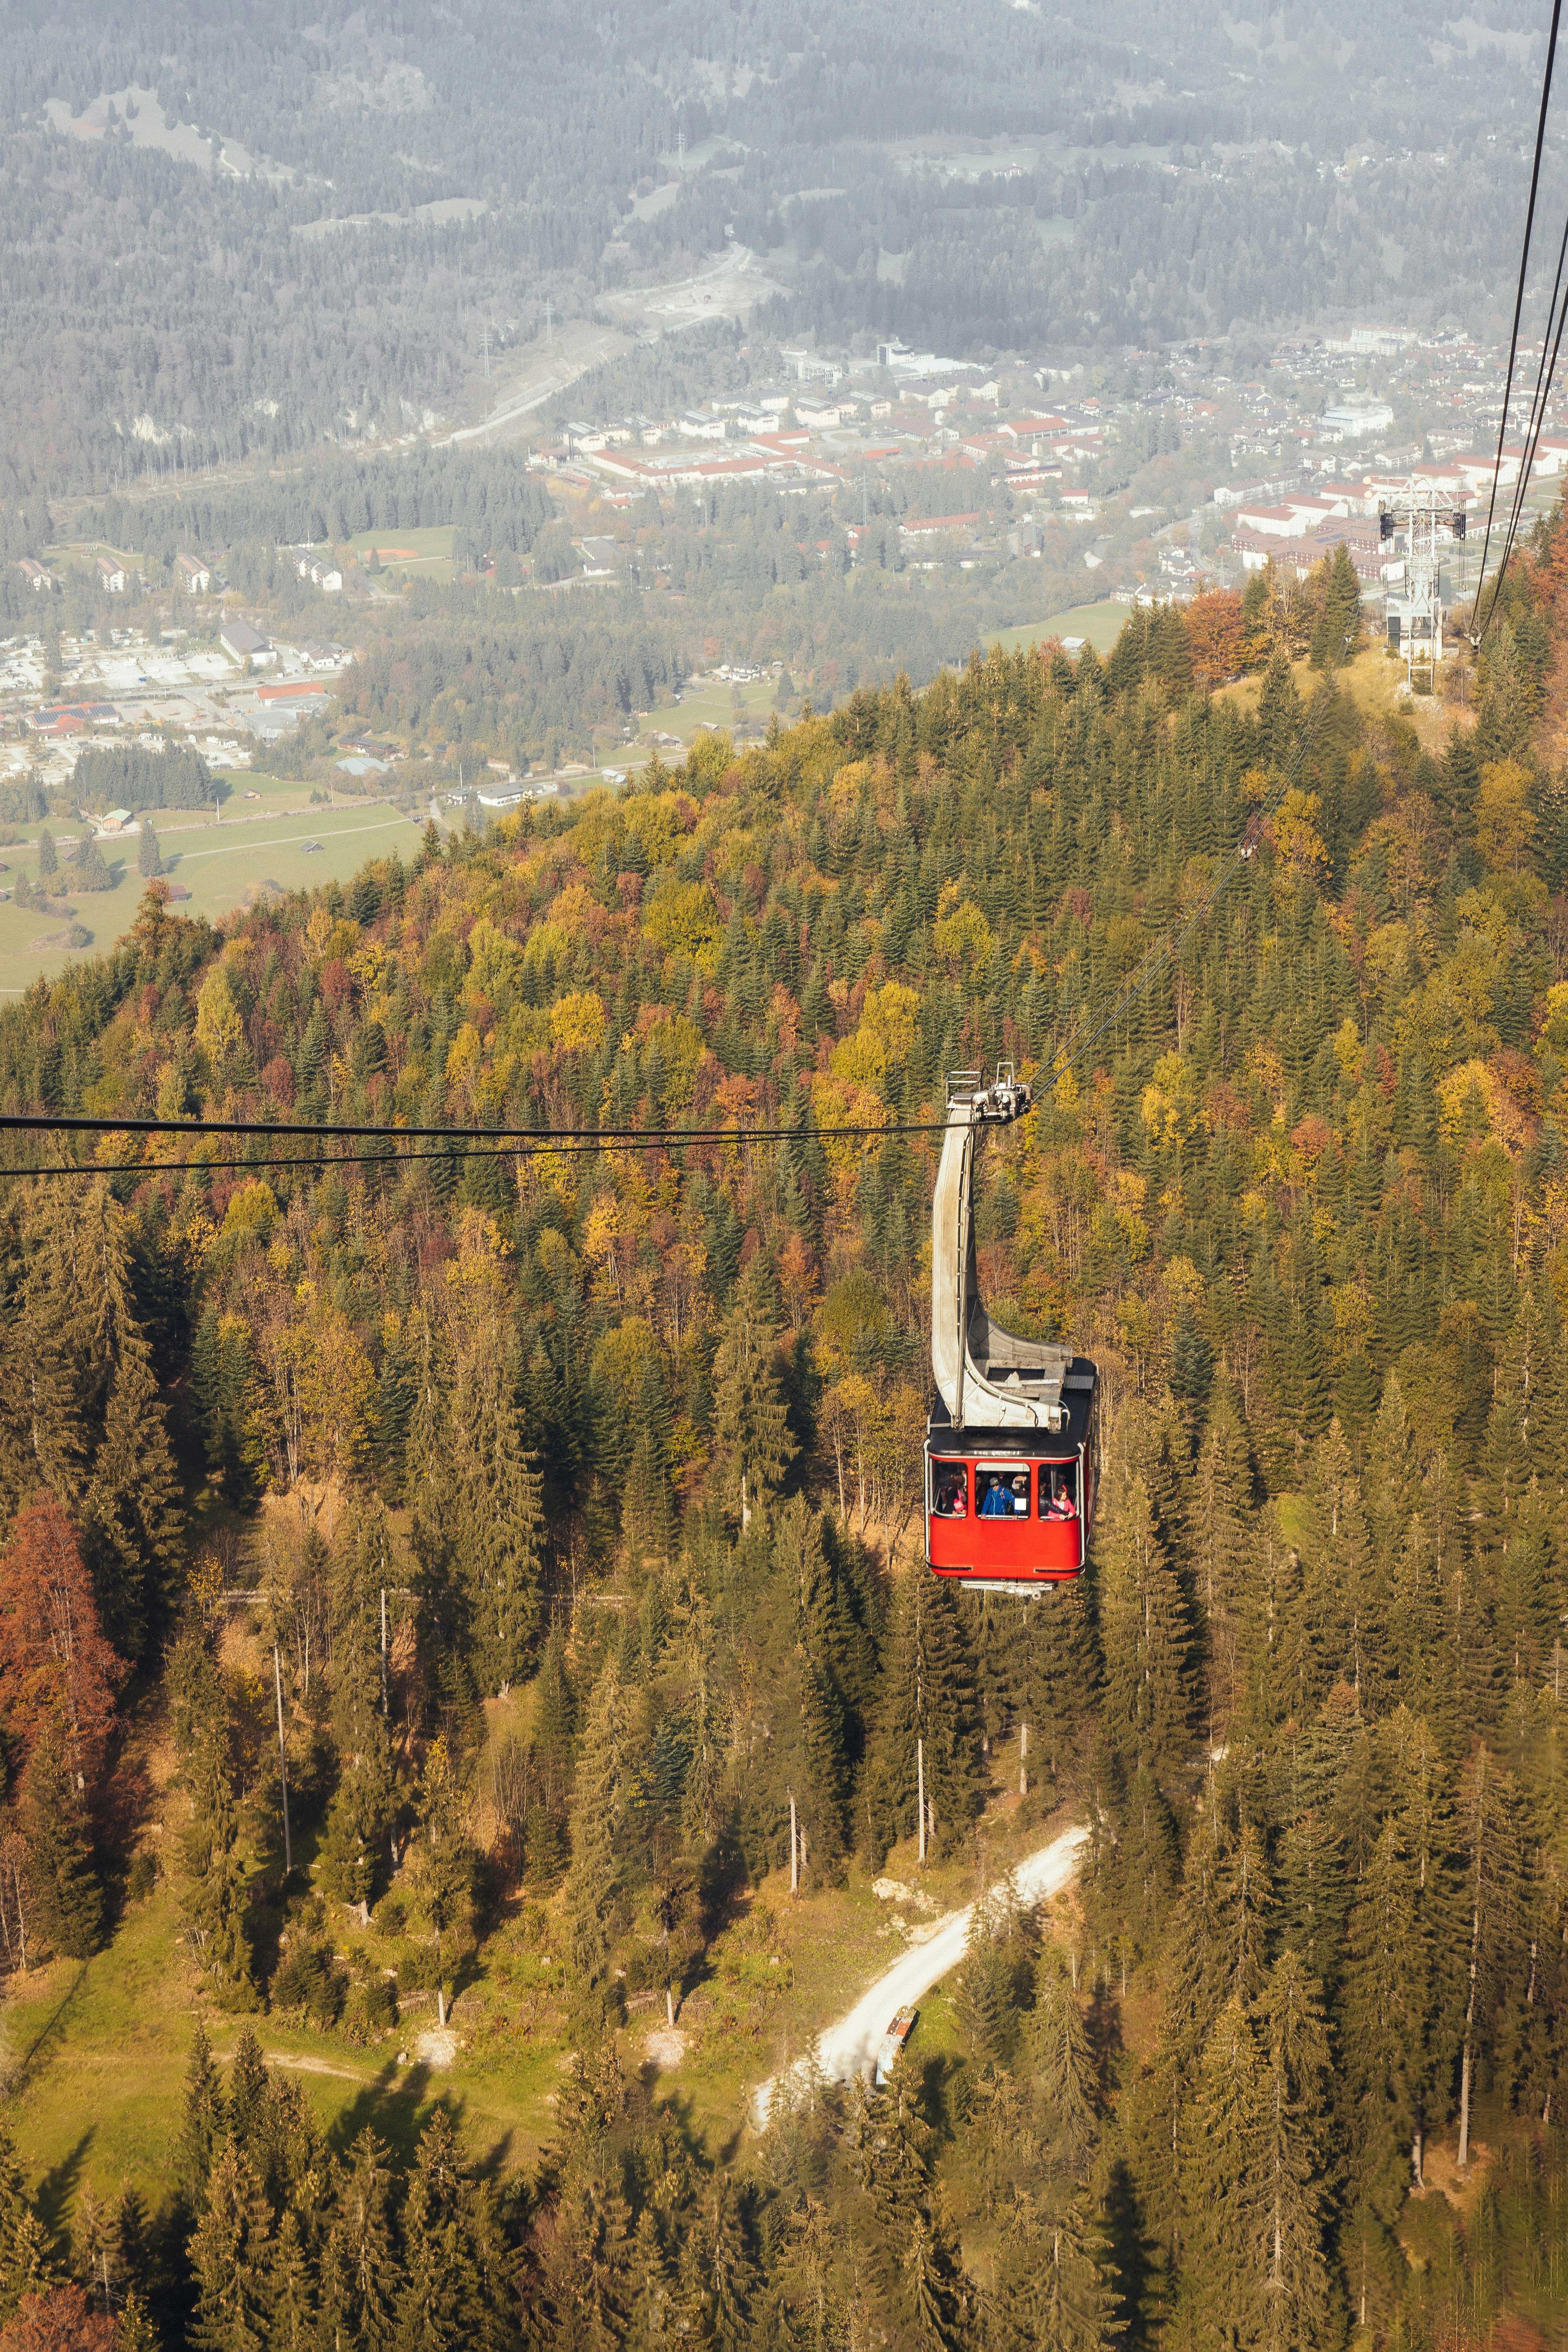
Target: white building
(1355, 418)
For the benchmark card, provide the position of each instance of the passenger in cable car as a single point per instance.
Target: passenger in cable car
(996, 1503)
(953, 1493)
(1003, 1497)
(1059, 1503)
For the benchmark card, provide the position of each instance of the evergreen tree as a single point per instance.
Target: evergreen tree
(232, 2262)
(149, 860)
(360, 2266)
(599, 1796)
(1226, 2187)
(1064, 2069)
(928, 1723)
(204, 2127)
(214, 1896)
(133, 1523)
(1294, 2128)
(750, 1415)
(48, 856)
(497, 1534)
(68, 1899)
(1147, 1637)
(447, 2300)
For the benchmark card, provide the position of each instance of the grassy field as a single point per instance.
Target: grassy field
(1100, 623)
(711, 704)
(258, 840)
(422, 554)
(93, 2055)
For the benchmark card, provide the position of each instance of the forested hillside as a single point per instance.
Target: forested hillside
(635, 1432)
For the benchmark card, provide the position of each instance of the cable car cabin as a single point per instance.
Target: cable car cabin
(1010, 1507)
(1012, 1446)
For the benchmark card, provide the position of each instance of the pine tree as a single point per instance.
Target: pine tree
(498, 1521)
(133, 1520)
(68, 1899)
(231, 2260)
(444, 2304)
(48, 856)
(149, 861)
(1221, 1559)
(927, 1722)
(204, 2127)
(1226, 2187)
(599, 1796)
(361, 2271)
(1294, 2128)
(1147, 1637)
(1064, 2068)
(1487, 1822)
(751, 1429)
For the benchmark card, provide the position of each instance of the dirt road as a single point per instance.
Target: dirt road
(845, 2047)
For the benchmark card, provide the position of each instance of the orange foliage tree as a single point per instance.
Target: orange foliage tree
(1216, 637)
(56, 1668)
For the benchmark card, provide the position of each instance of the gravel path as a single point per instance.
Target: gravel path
(845, 2047)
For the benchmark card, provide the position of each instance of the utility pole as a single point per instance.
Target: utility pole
(282, 1761)
(1023, 1759)
(485, 348)
(921, 1782)
(384, 1706)
(794, 1850)
(549, 323)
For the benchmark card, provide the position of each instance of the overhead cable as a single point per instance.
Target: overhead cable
(1517, 310)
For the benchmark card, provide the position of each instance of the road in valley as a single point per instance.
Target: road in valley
(845, 2048)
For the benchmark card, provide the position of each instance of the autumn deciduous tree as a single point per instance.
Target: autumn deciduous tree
(1216, 635)
(56, 1668)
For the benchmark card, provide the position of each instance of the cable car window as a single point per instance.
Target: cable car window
(950, 1490)
(1058, 1495)
(1002, 1494)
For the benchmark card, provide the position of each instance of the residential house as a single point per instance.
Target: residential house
(191, 576)
(33, 573)
(112, 575)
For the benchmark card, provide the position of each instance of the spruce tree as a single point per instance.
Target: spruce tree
(68, 1899)
(751, 1429)
(1226, 2187)
(1063, 2067)
(361, 2271)
(1221, 1559)
(48, 856)
(1147, 1637)
(444, 2304)
(231, 2260)
(498, 1521)
(204, 2127)
(1385, 2022)
(149, 861)
(599, 1796)
(1294, 2135)
(133, 1523)
(214, 1895)
(928, 1721)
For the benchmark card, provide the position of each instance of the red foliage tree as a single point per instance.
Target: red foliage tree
(60, 2320)
(1216, 634)
(55, 1665)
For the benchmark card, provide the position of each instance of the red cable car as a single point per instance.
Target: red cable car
(1013, 1442)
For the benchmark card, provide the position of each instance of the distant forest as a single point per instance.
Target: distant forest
(159, 316)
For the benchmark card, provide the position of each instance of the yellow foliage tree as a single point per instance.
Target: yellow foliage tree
(1505, 824)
